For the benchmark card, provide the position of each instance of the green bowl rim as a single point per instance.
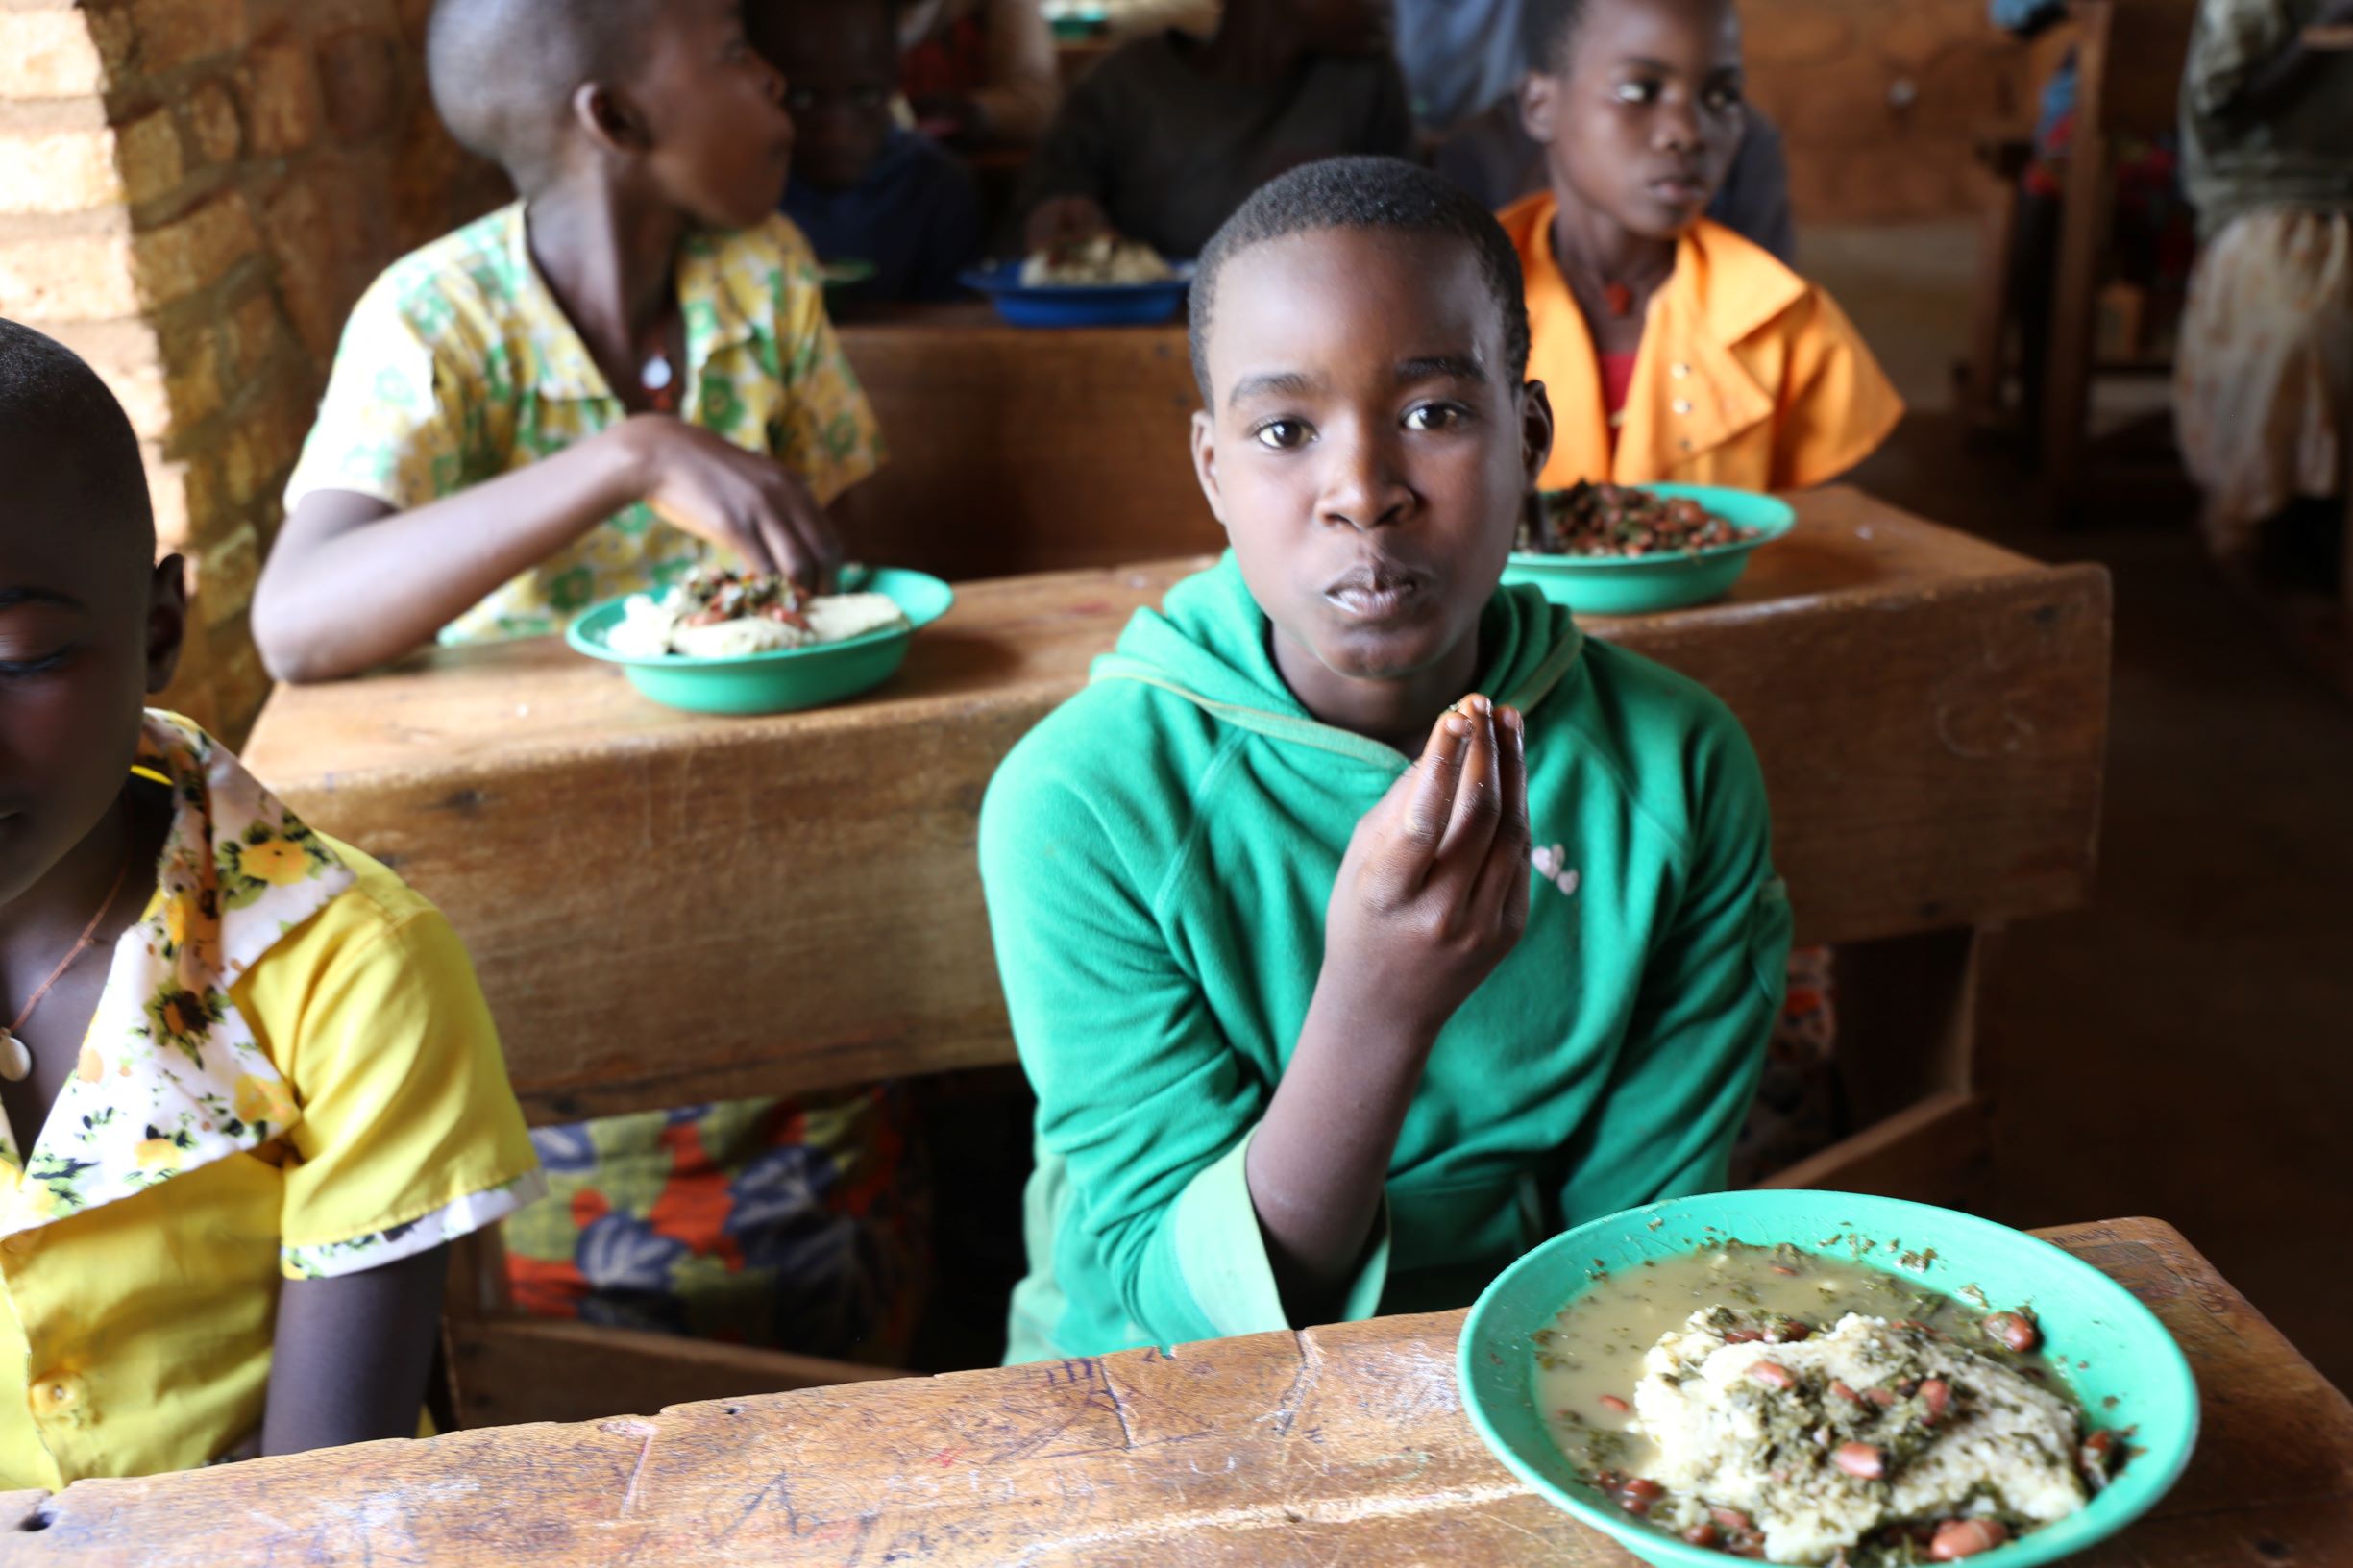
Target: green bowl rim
(1783, 520)
(1618, 1526)
(576, 634)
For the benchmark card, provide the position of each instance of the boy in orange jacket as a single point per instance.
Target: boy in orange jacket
(1672, 347)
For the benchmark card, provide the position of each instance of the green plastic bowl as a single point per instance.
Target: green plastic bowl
(782, 680)
(2088, 1315)
(1643, 584)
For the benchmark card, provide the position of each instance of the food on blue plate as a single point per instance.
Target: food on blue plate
(717, 613)
(1623, 520)
(1774, 1403)
(1101, 262)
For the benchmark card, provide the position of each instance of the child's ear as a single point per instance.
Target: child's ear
(609, 120)
(168, 620)
(1539, 106)
(1535, 429)
(1205, 462)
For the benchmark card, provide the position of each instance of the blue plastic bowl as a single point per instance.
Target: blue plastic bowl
(1110, 305)
(2089, 1317)
(1645, 584)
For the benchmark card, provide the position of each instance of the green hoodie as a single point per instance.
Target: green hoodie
(1158, 854)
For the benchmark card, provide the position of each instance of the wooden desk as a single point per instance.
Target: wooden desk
(765, 905)
(1338, 1445)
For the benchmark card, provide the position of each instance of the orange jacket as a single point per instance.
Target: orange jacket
(1748, 376)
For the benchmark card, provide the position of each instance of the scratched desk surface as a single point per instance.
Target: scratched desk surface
(1930, 712)
(1342, 1445)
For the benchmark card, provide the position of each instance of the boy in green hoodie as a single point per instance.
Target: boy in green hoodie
(1339, 987)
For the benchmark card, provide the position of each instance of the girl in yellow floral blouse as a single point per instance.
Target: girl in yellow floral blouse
(580, 396)
(250, 1087)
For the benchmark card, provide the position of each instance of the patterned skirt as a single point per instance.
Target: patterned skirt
(2262, 384)
(790, 1224)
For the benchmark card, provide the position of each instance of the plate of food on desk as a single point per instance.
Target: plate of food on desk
(1634, 549)
(722, 640)
(1102, 281)
(1823, 1378)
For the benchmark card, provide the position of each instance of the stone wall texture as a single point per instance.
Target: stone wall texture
(192, 193)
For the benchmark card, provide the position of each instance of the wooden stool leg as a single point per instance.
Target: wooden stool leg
(2083, 234)
(1989, 327)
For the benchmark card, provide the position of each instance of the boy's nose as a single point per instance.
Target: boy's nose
(1362, 487)
(1677, 127)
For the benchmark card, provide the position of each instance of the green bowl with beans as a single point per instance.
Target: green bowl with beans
(2119, 1364)
(1667, 580)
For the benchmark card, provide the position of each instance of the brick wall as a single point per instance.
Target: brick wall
(192, 193)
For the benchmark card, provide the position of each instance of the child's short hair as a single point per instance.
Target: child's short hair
(1384, 193)
(54, 406)
(502, 72)
(1547, 28)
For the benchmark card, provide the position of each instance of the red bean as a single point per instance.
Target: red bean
(1839, 1387)
(1701, 1534)
(1733, 1519)
(2092, 1458)
(1881, 1397)
(1862, 1461)
(1935, 1398)
(2015, 1330)
(1788, 1332)
(1783, 1268)
(1743, 1336)
(1638, 1495)
(1611, 1402)
(1957, 1538)
(1774, 1375)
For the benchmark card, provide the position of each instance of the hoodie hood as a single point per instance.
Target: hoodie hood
(1212, 644)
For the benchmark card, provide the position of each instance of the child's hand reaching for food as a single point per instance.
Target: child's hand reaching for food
(743, 500)
(1432, 894)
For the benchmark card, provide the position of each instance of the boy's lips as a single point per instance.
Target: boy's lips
(1375, 593)
(1682, 189)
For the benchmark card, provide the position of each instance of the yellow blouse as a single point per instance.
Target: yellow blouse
(290, 1073)
(459, 365)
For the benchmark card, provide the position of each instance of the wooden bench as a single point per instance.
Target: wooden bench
(1016, 451)
(1335, 1445)
(640, 886)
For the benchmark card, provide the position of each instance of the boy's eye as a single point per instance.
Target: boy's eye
(1435, 416)
(37, 666)
(1637, 90)
(1723, 98)
(1283, 435)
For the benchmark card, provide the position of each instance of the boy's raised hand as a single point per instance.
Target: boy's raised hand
(749, 503)
(1430, 895)
(1434, 888)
